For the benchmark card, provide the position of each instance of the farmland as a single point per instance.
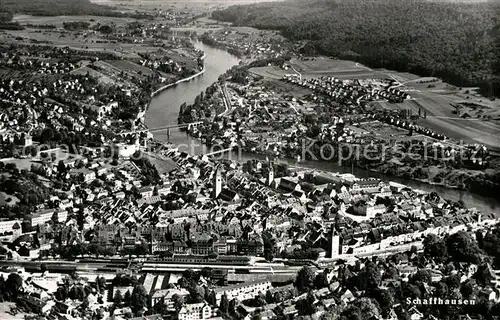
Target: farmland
(58, 21)
(271, 72)
(55, 38)
(406, 105)
(130, 68)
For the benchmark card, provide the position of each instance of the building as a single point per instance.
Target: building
(146, 192)
(202, 244)
(167, 295)
(84, 175)
(367, 185)
(62, 216)
(41, 217)
(336, 249)
(8, 226)
(369, 210)
(196, 311)
(253, 246)
(243, 291)
(217, 184)
(270, 174)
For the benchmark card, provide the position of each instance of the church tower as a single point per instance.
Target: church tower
(217, 183)
(270, 173)
(335, 245)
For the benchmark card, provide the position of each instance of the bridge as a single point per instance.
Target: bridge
(219, 152)
(164, 128)
(177, 126)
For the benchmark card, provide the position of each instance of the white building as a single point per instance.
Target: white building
(196, 311)
(127, 150)
(41, 217)
(243, 291)
(7, 226)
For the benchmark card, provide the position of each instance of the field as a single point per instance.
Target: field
(322, 66)
(196, 6)
(286, 88)
(75, 40)
(130, 68)
(468, 130)
(30, 36)
(382, 130)
(58, 21)
(406, 105)
(271, 72)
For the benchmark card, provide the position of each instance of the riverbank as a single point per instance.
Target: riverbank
(156, 92)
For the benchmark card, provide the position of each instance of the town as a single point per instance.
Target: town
(104, 216)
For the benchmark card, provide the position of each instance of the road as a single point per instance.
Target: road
(226, 99)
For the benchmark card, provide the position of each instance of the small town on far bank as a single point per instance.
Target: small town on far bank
(161, 161)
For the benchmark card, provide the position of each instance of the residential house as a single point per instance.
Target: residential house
(243, 291)
(196, 311)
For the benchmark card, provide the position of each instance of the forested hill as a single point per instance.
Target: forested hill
(459, 42)
(51, 7)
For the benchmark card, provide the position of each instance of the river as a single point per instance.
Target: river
(164, 108)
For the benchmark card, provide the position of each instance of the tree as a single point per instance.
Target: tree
(411, 291)
(139, 299)
(61, 168)
(435, 247)
(127, 298)
(332, 314)
(370, 277)
(307, 306)
(453, 281)
(232, 307)
(13, 284)
(385, 299)
(211, 298)
(467, 289)
(422, 276)
(224, 304)
(47, 135)
(141, 249)
(321, 280)
(61, 293)
(269, 297)
(178, 302)
(196, 294)
(189, 275)
(207, 273)
(369, 308)
(118, 298)
(462, 247)
(484, 275)
(441, 289)
(391, 273)
(305, 279)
